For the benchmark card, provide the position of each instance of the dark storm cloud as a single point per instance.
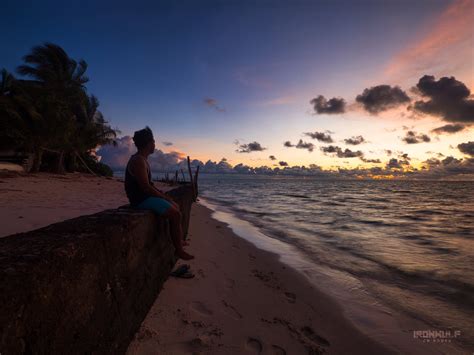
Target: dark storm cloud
(167, 143)
(272, 157)
(320, 136)
(382, 97)
(467, 148)
(251, 147)
(449, 129)
(288, 144)
(447, 98)
(356, 140)
(305, 145)
(414, 138)
(213, 104)
(283, 163)
(347, 153)
(331, 106)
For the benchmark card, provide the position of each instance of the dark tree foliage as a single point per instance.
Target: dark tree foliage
(49, 110)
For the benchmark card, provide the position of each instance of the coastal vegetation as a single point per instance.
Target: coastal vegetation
(47, 113)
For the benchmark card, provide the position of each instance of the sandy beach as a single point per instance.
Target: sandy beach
(36, 200)
(33, 201)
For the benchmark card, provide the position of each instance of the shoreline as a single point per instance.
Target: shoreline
(368, 313)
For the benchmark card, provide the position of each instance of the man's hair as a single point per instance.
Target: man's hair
(142, 137)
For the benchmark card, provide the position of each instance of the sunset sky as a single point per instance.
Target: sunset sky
(210, 77)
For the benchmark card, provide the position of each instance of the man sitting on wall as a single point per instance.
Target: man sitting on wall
(143, 195)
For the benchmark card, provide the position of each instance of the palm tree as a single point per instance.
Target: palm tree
(61, 81)
(21, 122)
(91, 128)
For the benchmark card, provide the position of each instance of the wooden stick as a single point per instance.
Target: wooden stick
(191, 178)
(196, 182)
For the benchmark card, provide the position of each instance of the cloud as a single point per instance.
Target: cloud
(376, 161)
(356, 140)
(388, 152)
(381, 98)
(283, 163)
(210, 102)
(167, 143)
(447, 98)
(300, 145)
(305, 145)
(347, 153)
(117, 157)
(331, 106)
(397, 164)
(251, 147)
(161, 161)
(449, 129)
(467, 148)
(448, 167)
(320, 136)
(272, 157)
(412, 137)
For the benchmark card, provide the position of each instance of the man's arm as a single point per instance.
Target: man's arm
(138, 169)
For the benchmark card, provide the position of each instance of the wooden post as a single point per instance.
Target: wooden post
(196, 183)
(191, 178)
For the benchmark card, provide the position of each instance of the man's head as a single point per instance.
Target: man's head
(144, 140)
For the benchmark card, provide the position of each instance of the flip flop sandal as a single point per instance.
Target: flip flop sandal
(186, 275)
(180, 270)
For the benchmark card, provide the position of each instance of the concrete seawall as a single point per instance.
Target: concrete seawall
(84, 285)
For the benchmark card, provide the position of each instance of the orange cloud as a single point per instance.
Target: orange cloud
(446, 50)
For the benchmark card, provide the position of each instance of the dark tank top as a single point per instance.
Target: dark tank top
(132, 188)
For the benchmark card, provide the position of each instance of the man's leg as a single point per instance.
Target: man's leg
(164, 208)
(174, 217)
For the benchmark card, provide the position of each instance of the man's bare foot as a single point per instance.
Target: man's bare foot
(183, 255)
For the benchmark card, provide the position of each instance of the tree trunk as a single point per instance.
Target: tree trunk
(38, 157)
(59, 168)
(72, 161)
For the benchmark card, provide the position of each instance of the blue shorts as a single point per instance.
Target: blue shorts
(156, 204)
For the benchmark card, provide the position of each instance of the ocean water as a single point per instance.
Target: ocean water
(406, 245)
